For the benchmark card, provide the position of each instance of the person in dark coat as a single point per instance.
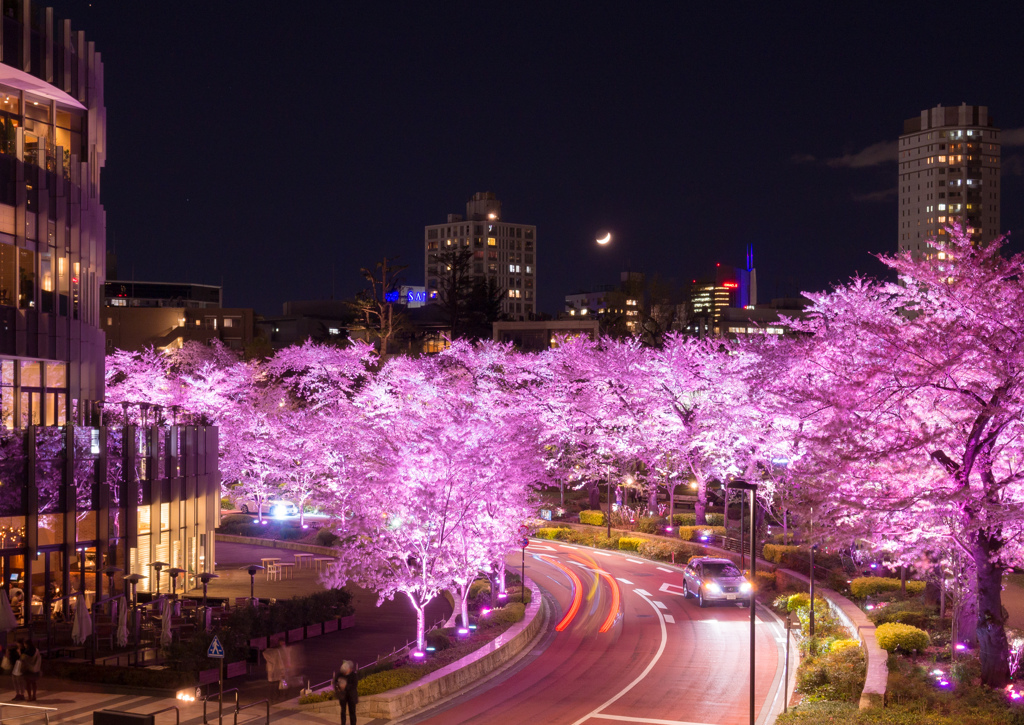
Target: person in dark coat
(346, 689)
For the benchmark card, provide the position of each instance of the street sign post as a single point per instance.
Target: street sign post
(216, 651)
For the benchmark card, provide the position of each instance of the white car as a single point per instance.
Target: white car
(279, 508)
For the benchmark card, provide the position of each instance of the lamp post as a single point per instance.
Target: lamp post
(785, 680)
(814, 548)
(205, 578)
(252, 569)
(110, 571)
(174, 573)
(522, 592)
(158, 565)
(752, 488)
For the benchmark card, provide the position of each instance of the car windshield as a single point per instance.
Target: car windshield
(720, 568)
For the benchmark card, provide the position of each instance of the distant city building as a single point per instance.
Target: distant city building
(949, 164)
(727, 287)
(502, 252)
(537, 335)
(762, 320)
(605, 302)
(302, 320)
(408, 296)
(168, 328)
(124, 293)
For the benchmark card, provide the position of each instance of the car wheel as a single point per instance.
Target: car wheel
(245, 509)
(686, 589)
(700, 598)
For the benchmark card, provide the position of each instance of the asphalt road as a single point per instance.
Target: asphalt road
(625, 647)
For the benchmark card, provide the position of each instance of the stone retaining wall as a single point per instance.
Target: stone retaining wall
(857, 622)
(452, 678)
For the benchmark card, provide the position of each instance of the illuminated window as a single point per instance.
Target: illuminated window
(492, 241)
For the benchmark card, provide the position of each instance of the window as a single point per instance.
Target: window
(492, 241)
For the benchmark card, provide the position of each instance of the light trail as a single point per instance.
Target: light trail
(616, 595)
(577, 595)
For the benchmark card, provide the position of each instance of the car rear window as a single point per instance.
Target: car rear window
(720, 568)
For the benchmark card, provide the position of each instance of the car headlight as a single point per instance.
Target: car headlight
(713, 587)
(277, 511)
(746, 588)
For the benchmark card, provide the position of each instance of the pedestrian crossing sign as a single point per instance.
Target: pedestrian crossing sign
(216, 648)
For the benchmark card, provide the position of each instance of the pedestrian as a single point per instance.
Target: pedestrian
(12, 665)
(346, 689)
(32, 665)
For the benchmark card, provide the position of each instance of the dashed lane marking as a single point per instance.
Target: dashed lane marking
(625, 581)
(661, 568)
(642, 593)
(669, 618)
(635, 561)
(661, 605)
(648, 720)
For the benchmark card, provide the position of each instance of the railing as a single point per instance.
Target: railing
(35, 708)
(220, 699)
(320, 686)
(254, 704)
(177, 713)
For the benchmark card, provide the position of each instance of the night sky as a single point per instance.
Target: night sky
(260, 145)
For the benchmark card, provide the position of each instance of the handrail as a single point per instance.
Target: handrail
(46, 711)
(177, 713)
(220, 699)
(254, 704)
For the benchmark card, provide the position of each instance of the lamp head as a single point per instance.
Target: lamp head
(206, 576)
(110, 570)
(134, 579)
(158, 565)
(174, 572)
(253, 568)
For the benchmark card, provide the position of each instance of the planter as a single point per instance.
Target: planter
(296, 635)
(277, 638)
(349, 621)
(314, 630)
(331, 625)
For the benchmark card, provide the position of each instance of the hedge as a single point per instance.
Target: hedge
(691, 519)
(778, 553)
(764, 581)
(509, 614)
(869, 586)
(547, 533)
(912, 612)
(628, 543)
(389, 680)
(893, 637)
(594, 518)
(651, 524)
(664, 550)
(693, 533)
(841, 644)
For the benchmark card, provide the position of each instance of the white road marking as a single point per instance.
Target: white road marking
(635, 561)
(634, 683)
(627, 581)
(668, 589)
(642, 592)
(541, 547)
(566, 546)
(579, 564)
(602, 553)
(669, 618)
(649, 720)
(661, 568)
(661, 605)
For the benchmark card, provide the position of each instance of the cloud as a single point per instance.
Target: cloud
(877, 153)
(870, 196)
(1012, 137)
(802, 158)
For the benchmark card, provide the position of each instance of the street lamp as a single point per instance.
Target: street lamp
(814, 548)
(252, 569)
(752, 488)
(158, 565)
(205, 578)
(110, 570)
(522, 592)
(174, 573)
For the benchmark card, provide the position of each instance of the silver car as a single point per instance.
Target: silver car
(715, 580)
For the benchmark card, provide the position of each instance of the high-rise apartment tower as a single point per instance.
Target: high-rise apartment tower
(502, 252)
(949, 173)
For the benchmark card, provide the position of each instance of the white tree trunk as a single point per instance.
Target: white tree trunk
(421, 627)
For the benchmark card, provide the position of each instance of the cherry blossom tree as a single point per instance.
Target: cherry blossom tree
(912, 399)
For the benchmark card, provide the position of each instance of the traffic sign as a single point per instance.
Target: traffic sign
(216, 649)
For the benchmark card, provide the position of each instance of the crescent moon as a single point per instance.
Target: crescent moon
(605, 239)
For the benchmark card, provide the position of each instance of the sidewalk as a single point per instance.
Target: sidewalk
(378, 630)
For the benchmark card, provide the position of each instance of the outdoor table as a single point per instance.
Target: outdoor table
(287, 569)
(302, 560)
(320, 562)
(268, 563)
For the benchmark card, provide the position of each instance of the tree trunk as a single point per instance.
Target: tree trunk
(464, 603)
(701, 507)
(501, 575)
(993, 648)
(421, 627)
(595, 497)
(652, 501)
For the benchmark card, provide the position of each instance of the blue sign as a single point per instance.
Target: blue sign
(391, 296)
(417, 296)
(216, 649)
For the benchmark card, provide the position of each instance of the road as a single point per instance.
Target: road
(626, 648)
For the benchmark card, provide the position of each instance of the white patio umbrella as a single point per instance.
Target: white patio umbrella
(122, 623)
(7, 620)
(82, 627)
(165, 626)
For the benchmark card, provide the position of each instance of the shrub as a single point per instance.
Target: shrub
(309, 699)
(693, 533)
(325, 537)
(912, 612)
(509, 614)
(651, 524)
(684, 519)
(225, 504)
(389, 680)
(663, 550)
(765, 581)
(603, 542)
(546, 533)
(893, 637)
(628, 543)
(837, 674)
(715, 519)
(594, 518)
(843, 644)
(438, 639)
(800, 600)
(869, 586)
(778, 553)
